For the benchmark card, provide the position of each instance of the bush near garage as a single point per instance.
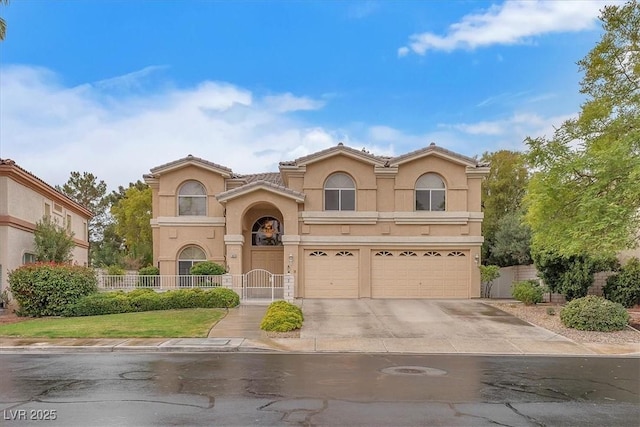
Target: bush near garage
(282, 316)
(594, 313)
(47, 289)
(624, 287)
(144, 299)
(528, 291)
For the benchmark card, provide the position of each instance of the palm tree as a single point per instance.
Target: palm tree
(3, 24)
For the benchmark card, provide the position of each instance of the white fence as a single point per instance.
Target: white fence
(162, 282)
(254, 285)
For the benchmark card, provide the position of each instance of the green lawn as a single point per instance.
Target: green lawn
(190, 323)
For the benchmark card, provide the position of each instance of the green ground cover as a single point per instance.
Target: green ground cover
(188, 323)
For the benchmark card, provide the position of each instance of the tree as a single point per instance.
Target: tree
(570, 275)
(132, 215)
(86, 190)
(512, 241)
(502, 193)
(3, 23)
(110, 250)
(53, 242)
(585, 195)
(488, 273)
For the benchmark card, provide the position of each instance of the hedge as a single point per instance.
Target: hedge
(148, 300)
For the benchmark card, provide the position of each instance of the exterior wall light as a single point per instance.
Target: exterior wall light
(477, 258)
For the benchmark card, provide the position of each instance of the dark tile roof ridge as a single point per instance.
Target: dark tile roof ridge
(190, 158)
(340, 146)
(10, 162)
(432, 147)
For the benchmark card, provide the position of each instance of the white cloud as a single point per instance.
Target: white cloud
(508, 133)
(512, 22)
(51, 130)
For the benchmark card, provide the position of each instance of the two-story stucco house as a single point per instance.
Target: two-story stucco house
(343, 222)
(24, 200)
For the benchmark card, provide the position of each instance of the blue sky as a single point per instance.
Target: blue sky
(118, 87)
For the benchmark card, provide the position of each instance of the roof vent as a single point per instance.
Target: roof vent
(433, 144)
(340, 144)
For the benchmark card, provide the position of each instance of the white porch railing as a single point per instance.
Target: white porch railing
(162, 282)
(257, 285)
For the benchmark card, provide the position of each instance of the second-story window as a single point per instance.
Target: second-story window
(339, 193)
(192, 199)
(430, 193)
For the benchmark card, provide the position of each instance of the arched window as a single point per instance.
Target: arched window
(192, 199)
(188, 257)
(430, 193)
(267, 231)
(339, 193)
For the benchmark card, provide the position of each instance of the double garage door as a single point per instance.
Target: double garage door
(394, 274)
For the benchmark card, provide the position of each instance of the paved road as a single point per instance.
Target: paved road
(317, 389)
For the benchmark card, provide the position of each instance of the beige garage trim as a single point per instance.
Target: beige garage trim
(420, 274)
(331, 273)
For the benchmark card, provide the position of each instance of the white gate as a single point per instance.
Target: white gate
(262, 285)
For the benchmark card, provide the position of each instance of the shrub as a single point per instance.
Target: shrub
(572, 275)
(594, 313)
(220, 298)
(143, 276)
(115, 270)
(47, 289)
(527, 291)
(282, 316)
(624, 287)
(207, 268)
(144, 299)
(100, 304)
(149, 271)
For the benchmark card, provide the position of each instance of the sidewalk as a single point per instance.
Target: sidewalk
(239, 331)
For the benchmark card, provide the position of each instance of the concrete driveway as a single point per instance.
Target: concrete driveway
(434, 326)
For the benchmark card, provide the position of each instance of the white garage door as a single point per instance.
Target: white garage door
(331, 274)
(420, 274)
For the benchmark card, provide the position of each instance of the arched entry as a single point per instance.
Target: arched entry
(267, 252)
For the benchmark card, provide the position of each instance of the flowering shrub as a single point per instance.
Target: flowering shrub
(46, 289)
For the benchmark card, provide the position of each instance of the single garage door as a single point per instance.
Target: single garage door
(420, 274)
(331, 274)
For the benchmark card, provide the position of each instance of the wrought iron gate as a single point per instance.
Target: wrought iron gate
(262, 285)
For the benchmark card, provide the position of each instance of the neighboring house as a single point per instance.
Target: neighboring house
(345, 223)
(24, 200)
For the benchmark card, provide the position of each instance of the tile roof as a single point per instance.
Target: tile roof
(272, 177)
(13, 164)
(188, 159)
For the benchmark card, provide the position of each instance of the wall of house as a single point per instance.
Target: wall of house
(172, 233)
(21, 207)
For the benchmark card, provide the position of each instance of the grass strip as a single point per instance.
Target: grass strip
(188, 323)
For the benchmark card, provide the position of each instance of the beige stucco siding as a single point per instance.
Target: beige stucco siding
(170, 185)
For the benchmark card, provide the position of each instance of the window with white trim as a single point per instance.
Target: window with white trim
(430, 193)
(192, 199)
(190, 256)
(339, 193)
